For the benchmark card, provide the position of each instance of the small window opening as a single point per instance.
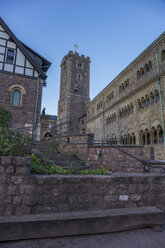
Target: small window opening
(10, 56)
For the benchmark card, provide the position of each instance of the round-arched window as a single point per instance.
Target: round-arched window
(16, 97)
(79, 76)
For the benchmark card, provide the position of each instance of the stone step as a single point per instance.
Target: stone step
(78, 223)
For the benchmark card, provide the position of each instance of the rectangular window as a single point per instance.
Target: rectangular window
(10, 56)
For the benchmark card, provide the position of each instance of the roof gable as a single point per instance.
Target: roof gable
(28, 52)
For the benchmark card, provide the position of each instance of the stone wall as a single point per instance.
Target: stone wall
(118, 161)
(23, 115)
(77, 144)
(113, 159)
(21, 193)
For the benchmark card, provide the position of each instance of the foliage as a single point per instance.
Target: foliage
(5, 118)
(38, 166)
(54, 146)
(12, 143)
(99, 171)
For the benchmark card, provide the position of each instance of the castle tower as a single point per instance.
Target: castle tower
(74, 92)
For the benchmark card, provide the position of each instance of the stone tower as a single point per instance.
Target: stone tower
(74, 92)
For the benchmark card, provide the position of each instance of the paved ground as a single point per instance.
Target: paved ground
(144, 238)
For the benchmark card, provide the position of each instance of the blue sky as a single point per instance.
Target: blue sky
(112, 33)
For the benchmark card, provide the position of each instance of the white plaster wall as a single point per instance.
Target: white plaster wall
(36, 74)
(1, 28)
(2, 42)
(1, 57)
(19, 70)
(2, 49)
(8, 67)
(4, 35)
(28, 64)
(20, 59)
(28, 72)
(11, 44)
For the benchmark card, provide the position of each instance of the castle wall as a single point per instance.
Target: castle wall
(128, 110)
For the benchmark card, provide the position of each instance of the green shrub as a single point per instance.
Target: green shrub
(54, 147)
(12, 143)
(99, 171)
(38, 166)
(5, 118)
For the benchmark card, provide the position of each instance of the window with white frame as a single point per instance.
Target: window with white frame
(10, 56)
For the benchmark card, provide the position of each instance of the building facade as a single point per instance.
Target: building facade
(22, 77)
(74, 92)
(131, 109)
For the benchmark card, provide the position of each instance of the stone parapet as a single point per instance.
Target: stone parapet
(21, 194)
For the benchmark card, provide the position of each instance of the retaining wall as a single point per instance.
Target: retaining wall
(113, 159)
(21, 193)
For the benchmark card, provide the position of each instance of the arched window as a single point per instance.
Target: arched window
(17, 92)
(128, 109)
(16, 97)
(131, 108)
(156, 96)
(163, 55)
(147, 100)
(143, 104)
(120, 113)
(147, 137)
(138, 75)
(133, 139)
(149, 65)
(146, 68)
(159, 134)
(141, 72)
(79, 76)
(125, 110)
(139, 104)
(152, 98)
(115, 116)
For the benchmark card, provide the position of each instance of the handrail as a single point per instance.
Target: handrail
(147, 163)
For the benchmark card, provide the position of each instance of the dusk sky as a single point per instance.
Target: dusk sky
(112, 33)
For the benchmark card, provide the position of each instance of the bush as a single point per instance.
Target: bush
(5, 118)
(38, 166)
(12, 143)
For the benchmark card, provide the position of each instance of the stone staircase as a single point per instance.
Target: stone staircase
(70, 161)
(41, 226)
(66, 160)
